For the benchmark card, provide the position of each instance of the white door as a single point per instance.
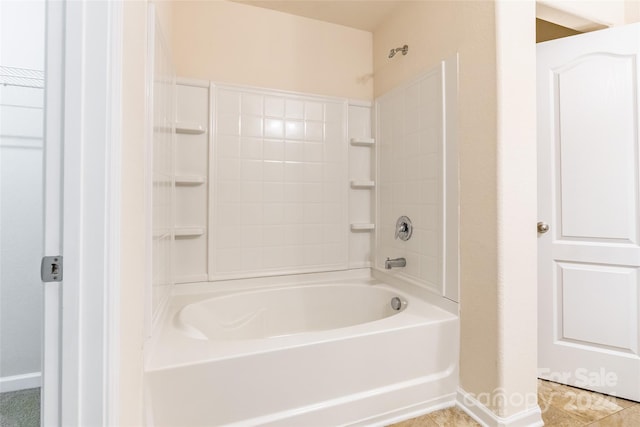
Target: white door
(589, 195)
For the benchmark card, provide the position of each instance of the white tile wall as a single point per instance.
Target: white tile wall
(410, 142)
(279, 197)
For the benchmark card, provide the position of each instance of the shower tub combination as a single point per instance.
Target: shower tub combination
(343, 353)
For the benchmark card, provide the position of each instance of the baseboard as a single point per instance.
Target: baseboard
(479, 412)
(20, 382)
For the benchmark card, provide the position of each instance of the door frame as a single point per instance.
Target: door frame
(83, 161)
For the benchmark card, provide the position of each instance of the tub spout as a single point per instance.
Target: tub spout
(396, 262)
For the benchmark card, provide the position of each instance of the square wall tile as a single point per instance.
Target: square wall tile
(294, 129)
(273, 214)
(251, 126)
(251, 191)
(272, 192)
(314, 131)
(228, 170)
(274, 106)
(273, 128)
(294, 151)
(314, 111)
(228, 146)
(294, 109)
(251, 170)
(251, 214)
(252, 104)
(228, 102)
(251, 148)
(228, 124)
(273, 170)
(313, 152)
(273, 150)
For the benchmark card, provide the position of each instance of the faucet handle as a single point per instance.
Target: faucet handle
(404, 228)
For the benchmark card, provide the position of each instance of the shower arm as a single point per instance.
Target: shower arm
(404, 49)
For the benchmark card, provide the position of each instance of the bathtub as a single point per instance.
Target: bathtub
(322, 354)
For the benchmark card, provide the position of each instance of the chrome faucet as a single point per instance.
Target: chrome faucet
(396, 262)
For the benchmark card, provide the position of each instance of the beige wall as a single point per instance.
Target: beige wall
(435, 30)
(235, 43)
(517, 280)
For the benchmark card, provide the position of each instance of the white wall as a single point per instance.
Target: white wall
(21, 214)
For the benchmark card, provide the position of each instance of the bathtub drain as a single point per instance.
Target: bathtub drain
(397, 303)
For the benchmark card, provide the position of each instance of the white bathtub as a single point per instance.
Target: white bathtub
(301, 355)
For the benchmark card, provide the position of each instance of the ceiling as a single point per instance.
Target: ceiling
(360, 14)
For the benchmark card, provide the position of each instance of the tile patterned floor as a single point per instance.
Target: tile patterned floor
(561, 406)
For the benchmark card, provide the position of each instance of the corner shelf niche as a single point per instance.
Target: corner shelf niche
(190, 129)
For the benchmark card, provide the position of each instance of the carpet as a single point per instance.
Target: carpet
(20, 408)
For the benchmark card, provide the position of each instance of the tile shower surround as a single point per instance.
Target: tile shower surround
(411, 141)
(279, 196)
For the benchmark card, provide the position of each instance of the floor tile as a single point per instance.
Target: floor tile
(423, 421)
(581, 404)
(629, 417)
(444, 418)
(452, 417)
(561, 406)
(554, 417)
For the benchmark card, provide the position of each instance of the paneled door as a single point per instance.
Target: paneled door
(588, 206)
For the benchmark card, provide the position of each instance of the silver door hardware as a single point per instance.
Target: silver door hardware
(404, 228)
(51, 268)
(543, 227)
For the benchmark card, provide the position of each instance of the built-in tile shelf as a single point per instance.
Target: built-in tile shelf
(190, 128)
(362, 227)
(363, 184)
(184, 180)
(188, 232)
(365, 142)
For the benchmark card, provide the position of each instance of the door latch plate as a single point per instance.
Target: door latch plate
(51, 268)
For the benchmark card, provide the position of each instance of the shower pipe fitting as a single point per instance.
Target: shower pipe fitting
(404, 49)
